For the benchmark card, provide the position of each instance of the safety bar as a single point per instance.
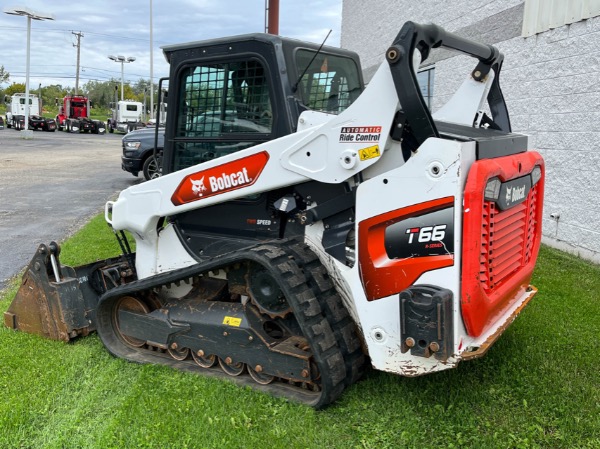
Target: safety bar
(423, 38)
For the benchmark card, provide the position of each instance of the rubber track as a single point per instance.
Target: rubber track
(315, 303)
(337, 315)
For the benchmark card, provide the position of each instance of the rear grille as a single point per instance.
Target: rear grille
(507, 240)
(499, 247)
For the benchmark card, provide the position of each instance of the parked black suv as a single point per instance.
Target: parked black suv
(138, 149)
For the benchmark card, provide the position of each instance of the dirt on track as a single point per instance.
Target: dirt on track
(50, 186)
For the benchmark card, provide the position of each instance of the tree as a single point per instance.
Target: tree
(50, 95)
(4, 75)
(142, 85)
(15, 88)
(100, 93)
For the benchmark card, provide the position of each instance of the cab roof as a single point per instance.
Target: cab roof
(271, 39)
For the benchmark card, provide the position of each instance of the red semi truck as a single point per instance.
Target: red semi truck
(74, 116)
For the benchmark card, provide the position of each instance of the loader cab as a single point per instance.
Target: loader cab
(226, 95)
(237, 92)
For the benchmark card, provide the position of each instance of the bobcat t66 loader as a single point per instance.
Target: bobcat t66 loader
(305, 224)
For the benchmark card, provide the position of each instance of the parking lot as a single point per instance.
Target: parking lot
(50, 186)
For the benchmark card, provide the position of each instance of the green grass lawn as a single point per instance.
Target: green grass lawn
(539, 386)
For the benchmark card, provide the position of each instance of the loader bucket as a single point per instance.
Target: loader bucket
(57, 301)
(48, 303)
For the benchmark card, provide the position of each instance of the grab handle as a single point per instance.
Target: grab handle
(423, 38)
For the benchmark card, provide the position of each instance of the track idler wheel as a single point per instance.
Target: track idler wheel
(130, 304)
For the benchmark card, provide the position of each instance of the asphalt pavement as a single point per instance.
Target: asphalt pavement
(50, 187)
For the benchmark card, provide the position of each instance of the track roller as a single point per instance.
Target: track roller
(204, 361)
(230, 368)
(178, 353)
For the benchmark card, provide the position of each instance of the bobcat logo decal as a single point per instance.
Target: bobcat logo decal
(198, 186)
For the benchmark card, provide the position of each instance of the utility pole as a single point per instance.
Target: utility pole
(78, 45)
(272, 16)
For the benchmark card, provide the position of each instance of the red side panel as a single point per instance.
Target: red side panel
(500, 247)
(384, 276)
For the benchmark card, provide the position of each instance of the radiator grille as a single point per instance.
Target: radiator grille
(507, 240)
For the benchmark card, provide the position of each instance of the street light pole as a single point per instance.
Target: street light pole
(151, 67)
(26, 12)
(122, 60)
(27, 65)
(122, 77)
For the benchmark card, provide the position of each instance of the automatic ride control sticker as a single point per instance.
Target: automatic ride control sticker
(360, 134)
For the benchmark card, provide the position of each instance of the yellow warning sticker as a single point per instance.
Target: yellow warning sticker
(369, 153)
(232, 321)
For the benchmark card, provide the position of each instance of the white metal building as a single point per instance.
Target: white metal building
(550, 80)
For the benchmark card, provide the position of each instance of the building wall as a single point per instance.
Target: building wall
(550, 81)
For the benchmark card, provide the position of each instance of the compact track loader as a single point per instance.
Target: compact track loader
(305, 225)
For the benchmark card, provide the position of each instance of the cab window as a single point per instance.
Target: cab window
(223, 108)
(328, 83)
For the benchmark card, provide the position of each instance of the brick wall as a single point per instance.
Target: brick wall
(550, 81)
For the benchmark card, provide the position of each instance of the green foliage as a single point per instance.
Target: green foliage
(538, 387)
(52, 98)
(15, 88)
(101, 93)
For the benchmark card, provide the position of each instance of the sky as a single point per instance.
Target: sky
(122, 27)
